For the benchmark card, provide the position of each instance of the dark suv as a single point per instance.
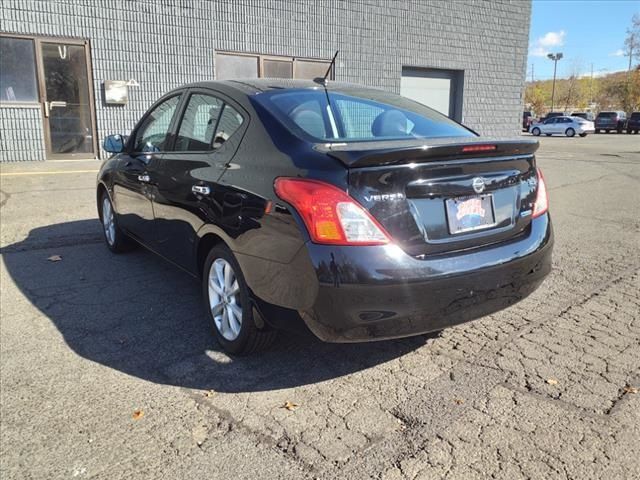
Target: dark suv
(608, 121)
(633, 124)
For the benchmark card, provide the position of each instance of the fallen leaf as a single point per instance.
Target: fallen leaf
(138, 414)
(290, 405)
(552, 381)
(54, 258)
(630, 389)
(459, 401)
(209, 393)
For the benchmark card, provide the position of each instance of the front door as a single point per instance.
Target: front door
(136, 177)
(67, 96)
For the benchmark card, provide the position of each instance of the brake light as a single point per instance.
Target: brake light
(330, 215)
(542, 198)
(479, 148)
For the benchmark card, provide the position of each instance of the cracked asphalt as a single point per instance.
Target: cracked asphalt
(543, 390)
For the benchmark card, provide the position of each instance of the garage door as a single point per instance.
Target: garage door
(435, 88)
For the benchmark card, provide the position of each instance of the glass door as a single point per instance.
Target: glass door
(67, 96)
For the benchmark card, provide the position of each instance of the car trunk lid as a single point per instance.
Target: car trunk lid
(445, 194)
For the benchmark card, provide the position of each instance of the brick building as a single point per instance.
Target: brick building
(73, 71)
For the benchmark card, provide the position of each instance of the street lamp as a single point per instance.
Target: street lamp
(555, 57)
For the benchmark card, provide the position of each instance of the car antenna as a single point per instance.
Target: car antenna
(323, 80)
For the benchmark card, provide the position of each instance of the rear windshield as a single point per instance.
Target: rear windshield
(357, 115)
(607, 114)
(635, 115)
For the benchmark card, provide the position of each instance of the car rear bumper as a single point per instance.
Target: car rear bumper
(380, 292)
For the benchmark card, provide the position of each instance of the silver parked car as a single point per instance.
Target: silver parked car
(569, 126)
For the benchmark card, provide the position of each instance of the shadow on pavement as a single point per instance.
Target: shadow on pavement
(140, 315)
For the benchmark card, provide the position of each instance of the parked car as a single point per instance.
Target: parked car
(367, 214)
(527, 120)
(633, 124)
(609, 121)
(569, 126)
(584, 115)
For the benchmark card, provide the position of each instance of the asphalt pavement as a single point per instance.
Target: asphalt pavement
(108, 369)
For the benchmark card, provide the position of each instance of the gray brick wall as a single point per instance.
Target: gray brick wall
(164, 44)
(21, 135)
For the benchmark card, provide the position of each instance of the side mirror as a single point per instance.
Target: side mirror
(114, 143)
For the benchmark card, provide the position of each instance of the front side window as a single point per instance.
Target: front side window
(357, 115)
(153, 134)
(199, 123)
(17, 70)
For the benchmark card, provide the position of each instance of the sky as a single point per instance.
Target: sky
(585, 31)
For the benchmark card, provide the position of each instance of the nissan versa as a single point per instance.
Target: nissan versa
(367, 214)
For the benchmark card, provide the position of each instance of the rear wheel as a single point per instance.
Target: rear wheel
(229, 305)
(115, 238)
(536, 132)
(570, 132)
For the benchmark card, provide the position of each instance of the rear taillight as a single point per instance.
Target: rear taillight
(478, 148)
(542, 198)
(330, 215)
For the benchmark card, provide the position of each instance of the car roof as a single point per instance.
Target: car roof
(253, 86)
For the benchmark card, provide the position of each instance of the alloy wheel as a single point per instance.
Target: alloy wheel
(108, 221)
(224, 299)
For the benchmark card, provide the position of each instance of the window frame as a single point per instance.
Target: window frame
(36, 70)
(246, 118)
(261, 57)
(169, 141)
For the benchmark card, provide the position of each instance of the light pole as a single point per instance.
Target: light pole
(555, 57)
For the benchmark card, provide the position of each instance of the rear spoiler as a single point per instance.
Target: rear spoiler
(367, 154)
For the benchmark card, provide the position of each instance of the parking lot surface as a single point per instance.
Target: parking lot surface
(109, 370)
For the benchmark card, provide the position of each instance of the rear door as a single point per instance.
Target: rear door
(136, 173)
(187, 193)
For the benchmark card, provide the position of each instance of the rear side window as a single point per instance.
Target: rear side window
(230, 122)
(206, 124)
(199, 123)
(152, 134)
(357, 115)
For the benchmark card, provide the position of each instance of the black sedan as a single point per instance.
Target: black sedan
(364, 213)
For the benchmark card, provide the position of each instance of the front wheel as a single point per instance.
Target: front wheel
(536, 132)
(115, 238)
(229, 305)
(570, 132)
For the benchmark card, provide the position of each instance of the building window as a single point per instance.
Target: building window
(435, 88)
(17, 71)
(231, 65)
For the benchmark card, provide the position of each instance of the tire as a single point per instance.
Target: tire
(229, 306)
(535, 132)
(548, 134)
(117, 241)
(583, 134)
(570, 132)
(597, 130)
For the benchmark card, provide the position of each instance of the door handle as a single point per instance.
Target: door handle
(144, 178)
(201, 190)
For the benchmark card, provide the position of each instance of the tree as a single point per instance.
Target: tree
(632, 42)
(535, 96)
